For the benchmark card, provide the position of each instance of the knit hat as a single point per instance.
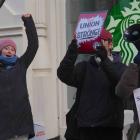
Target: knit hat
(105, 34)
(7, 42)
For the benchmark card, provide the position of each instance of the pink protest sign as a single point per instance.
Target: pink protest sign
(88, 31)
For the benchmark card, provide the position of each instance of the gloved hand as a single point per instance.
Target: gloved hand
(101, 53)
(27, 19)
(72, 48)
(137, 59)
(72, 53)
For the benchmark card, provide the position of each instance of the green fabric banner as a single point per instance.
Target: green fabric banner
(122, 15)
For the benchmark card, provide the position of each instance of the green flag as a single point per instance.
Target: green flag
(122, 15)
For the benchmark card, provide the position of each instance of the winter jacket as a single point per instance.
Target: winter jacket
(124, 89)
(97, 106)
(15, 115)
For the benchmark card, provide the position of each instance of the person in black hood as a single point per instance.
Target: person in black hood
(97, 113)
(16, 118)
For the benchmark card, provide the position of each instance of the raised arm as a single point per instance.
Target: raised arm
(113, 70)
(67, 72)
(32, 37)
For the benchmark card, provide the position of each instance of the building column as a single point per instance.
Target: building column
(43, 69)
(61, 50)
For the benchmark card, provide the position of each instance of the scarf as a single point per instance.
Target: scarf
(8, 62)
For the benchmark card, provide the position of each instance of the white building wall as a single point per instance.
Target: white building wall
(44, 91)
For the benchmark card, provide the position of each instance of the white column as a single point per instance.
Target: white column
(43, 70)
(61, 50)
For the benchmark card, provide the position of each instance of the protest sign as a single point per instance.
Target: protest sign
(88, 31)
(137, 101)
(39, 133)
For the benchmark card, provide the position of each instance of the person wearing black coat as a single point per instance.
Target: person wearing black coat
(16, 120)
(97, 113)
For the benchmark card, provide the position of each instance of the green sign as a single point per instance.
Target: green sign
(123, 14)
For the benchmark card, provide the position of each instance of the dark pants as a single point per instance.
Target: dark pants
(101, 133)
